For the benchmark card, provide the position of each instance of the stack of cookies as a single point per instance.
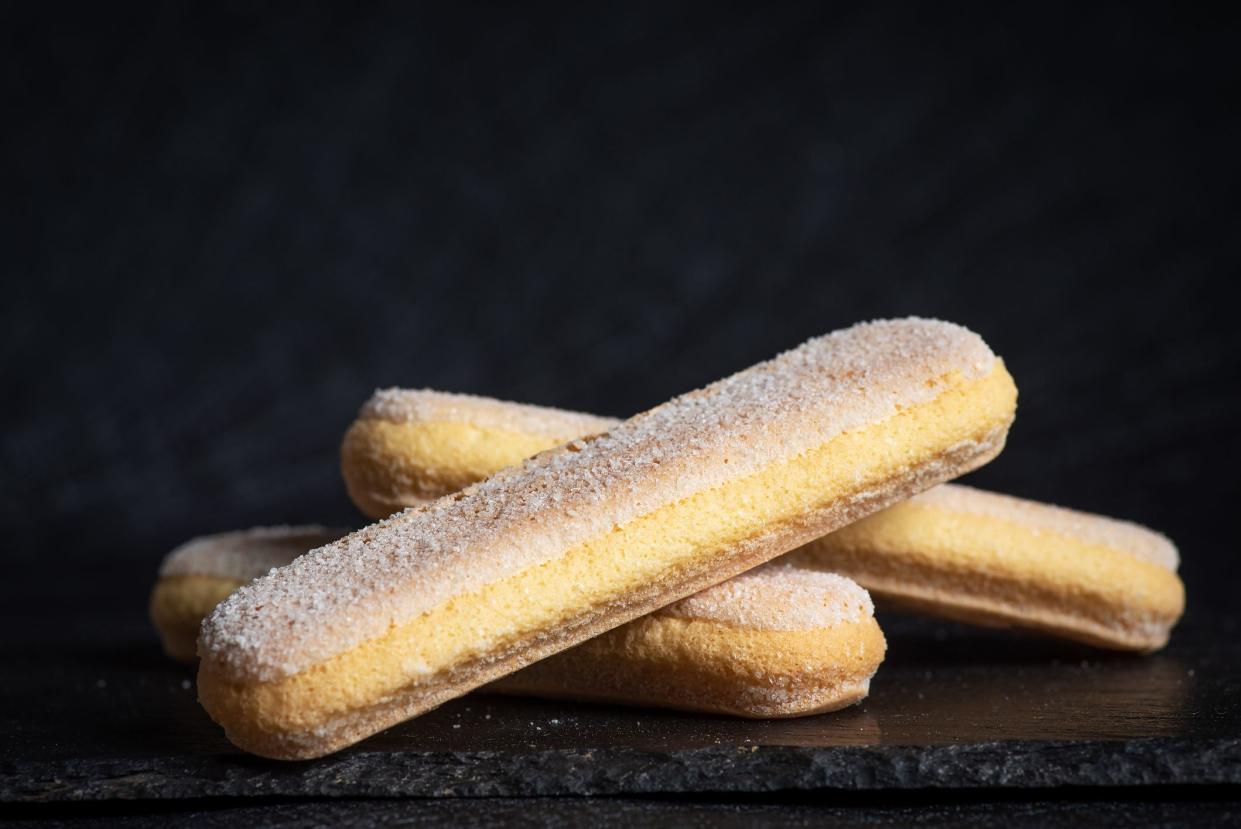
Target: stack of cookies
(714, 553)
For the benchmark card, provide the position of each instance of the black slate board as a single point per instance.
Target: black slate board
(1210, 809)
(99, 714)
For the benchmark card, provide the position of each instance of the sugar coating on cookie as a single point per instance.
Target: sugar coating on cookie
(245, 554)
(429, 406)
(778, 596)
(358, 588)
(1124, 536)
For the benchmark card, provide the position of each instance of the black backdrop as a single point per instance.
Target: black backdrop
(223, 227)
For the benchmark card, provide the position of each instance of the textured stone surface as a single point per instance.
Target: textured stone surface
(953, 708)
(606, 813)
(604, 771)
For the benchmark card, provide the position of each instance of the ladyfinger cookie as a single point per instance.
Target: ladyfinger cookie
(991, 559)
(952, 551)
(408, 448)
(403, 615)
(778, 641)
(200, 574)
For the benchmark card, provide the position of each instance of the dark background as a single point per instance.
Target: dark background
(223, 227)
